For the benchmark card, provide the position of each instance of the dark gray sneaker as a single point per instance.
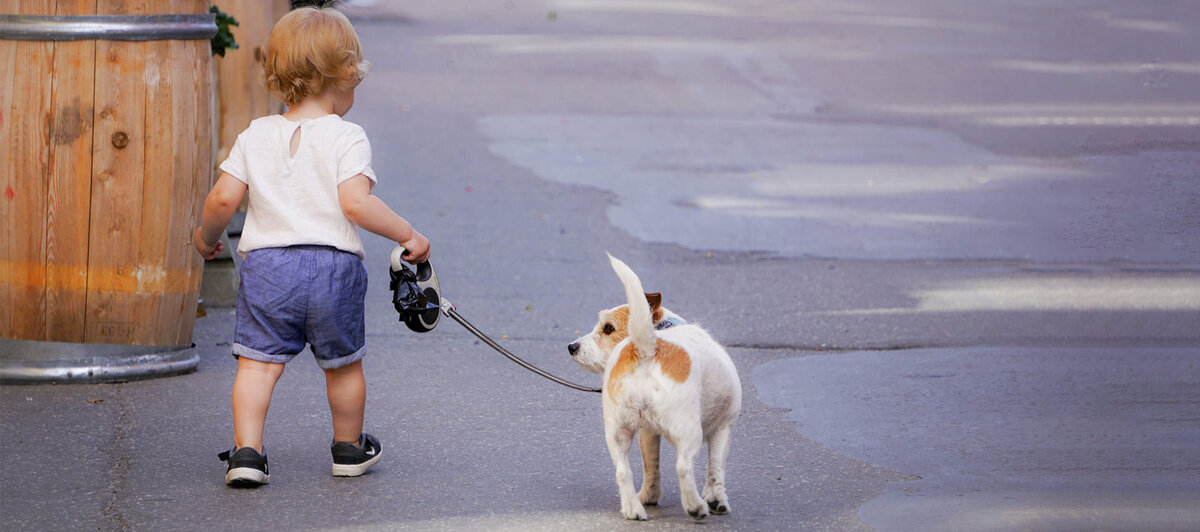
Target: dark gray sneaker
(350, 460)
(247, 468)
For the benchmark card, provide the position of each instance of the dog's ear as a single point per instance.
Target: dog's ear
(655, 301)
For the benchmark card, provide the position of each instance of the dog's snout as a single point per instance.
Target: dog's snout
(573, 348)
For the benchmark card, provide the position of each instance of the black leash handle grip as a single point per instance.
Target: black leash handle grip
(449, 310)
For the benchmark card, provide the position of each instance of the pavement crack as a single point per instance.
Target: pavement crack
(119, 453)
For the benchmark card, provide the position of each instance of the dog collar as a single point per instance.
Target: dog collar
(668, 323)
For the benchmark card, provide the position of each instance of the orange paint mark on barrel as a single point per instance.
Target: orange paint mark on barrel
(8, 193)
(135, 279)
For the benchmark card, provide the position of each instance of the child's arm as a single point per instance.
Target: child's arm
(222, 200)
(371, 213)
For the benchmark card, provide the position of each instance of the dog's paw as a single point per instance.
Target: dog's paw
(698, 513)
(718, 507)
(649, 496)
(633, 512)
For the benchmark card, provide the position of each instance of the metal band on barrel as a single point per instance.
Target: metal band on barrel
(107, 27)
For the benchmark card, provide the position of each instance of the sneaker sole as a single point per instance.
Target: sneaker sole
(246, 477)
(354, 470)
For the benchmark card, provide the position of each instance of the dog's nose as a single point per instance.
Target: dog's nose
(573, 348)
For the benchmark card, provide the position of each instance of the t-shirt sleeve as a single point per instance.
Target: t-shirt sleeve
(355, 156)
(235, 164)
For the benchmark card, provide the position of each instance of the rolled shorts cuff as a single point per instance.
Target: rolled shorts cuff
(338, 362)
(240, 350)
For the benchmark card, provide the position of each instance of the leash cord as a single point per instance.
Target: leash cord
(448, 309)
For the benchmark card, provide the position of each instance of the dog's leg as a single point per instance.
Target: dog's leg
(714, 488)
(685, 464)
(620, 441)
(649, 441)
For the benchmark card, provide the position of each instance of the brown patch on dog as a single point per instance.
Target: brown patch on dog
(619, 319)
(626, 362)
(655, 301)
(673, 360)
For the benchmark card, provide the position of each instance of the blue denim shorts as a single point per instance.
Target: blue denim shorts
(293, 296)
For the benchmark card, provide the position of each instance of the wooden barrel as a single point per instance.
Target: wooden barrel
(105, 119)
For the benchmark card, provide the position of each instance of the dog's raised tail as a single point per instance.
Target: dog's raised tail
(641, 324)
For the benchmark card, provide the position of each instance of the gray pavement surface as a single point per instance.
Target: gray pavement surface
(953, 249)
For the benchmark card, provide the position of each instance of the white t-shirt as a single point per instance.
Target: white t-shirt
(294, 198)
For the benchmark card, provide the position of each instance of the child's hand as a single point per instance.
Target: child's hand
(208, 251)
(416, 249)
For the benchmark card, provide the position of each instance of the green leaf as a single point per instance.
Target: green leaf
(223, 40)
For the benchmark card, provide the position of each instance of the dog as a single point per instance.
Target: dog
(663, 378)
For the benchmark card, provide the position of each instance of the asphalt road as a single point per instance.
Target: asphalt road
(953, 249)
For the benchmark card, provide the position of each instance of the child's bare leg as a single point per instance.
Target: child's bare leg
(347, 390)
(251, 397)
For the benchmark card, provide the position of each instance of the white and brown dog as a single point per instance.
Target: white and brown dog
(665, 378)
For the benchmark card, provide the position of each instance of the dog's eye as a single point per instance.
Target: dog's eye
(609, 329)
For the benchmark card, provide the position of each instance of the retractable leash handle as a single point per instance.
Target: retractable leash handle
(415, 295)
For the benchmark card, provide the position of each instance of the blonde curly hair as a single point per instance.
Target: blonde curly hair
(310, 50)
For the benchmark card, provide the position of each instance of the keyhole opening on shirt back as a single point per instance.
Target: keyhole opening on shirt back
(295, 141)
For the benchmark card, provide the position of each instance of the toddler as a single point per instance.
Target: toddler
(302, 281)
